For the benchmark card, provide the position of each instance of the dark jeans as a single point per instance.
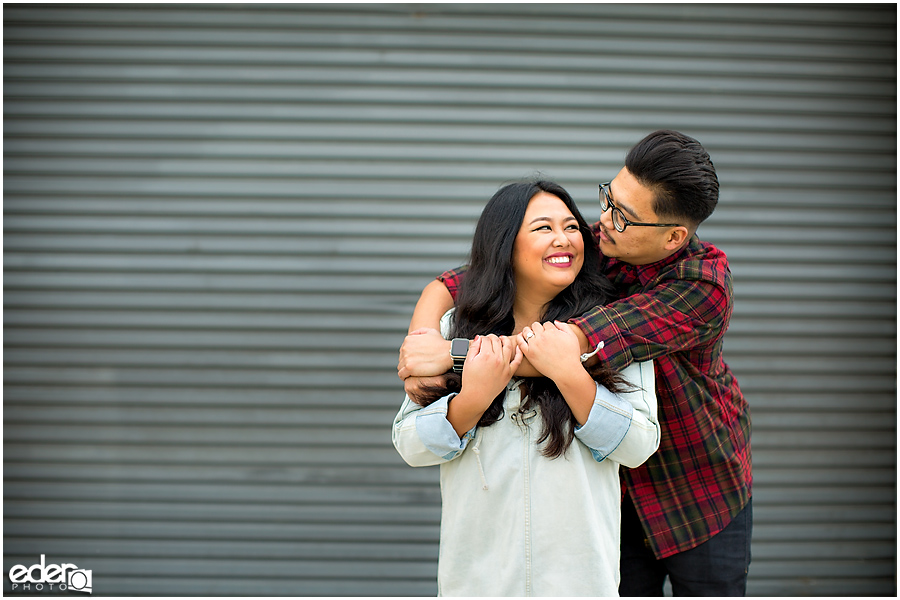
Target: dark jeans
(717, 567)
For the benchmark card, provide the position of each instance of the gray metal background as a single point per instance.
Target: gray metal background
(218, 219)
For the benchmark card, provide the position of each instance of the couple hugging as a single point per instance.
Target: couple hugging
(563, 351)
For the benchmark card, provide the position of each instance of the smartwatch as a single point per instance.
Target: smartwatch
(459, 347)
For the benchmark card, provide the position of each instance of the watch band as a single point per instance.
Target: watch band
(459, 347)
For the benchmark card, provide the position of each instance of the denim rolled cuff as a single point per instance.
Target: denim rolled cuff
(607, 424)
(436, 432)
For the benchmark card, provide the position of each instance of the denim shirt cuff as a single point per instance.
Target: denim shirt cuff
(436, 432)
(607, 423)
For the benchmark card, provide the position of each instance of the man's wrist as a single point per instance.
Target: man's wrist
(583, 342)
(442, 361)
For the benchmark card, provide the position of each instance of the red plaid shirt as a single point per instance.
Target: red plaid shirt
(675, 312)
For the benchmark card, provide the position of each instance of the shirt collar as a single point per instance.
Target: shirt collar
(647, 273)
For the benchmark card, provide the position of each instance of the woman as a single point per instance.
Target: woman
(529, 467)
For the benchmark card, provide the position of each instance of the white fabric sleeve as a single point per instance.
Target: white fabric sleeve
(607, 423)
(624, 427)
(424, 436)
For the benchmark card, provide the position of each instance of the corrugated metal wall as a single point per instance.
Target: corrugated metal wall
(218, 219)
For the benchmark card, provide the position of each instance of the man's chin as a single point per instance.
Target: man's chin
(608, 248)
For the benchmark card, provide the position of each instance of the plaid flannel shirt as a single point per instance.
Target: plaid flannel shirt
(676, 312)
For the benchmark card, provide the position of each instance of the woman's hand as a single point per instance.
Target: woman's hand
(552, 348)
(490, 364)
(555, 351)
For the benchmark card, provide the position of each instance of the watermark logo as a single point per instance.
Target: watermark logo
(60, 577)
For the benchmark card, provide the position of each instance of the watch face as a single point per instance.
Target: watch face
(459, 347)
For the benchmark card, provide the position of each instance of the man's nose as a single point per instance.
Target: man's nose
(606, 218)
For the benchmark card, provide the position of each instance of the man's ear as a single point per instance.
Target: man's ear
(676, 238)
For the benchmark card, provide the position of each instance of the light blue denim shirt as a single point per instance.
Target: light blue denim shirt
(436, 432)
(553, 523)
(606, 427)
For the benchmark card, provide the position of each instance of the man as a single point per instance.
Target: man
(687, 511)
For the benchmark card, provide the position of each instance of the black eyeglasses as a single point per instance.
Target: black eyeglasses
(618, 217)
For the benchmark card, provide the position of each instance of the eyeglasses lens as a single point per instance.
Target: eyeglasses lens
(618, 218)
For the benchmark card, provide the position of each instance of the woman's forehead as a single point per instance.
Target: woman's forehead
(545, 204)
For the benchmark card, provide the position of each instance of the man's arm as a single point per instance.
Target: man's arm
(425, 353)
(676, 315)
(433, 303)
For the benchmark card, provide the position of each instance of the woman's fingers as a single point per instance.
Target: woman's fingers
(489, 344)
(474, 347)
(517, 359)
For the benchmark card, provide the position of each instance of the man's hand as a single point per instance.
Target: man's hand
(424, 353)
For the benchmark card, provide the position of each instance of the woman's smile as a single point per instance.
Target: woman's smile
(560, 260)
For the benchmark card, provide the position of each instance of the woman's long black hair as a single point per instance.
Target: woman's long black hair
(485, 301)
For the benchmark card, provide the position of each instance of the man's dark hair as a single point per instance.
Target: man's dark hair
(679, 172)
